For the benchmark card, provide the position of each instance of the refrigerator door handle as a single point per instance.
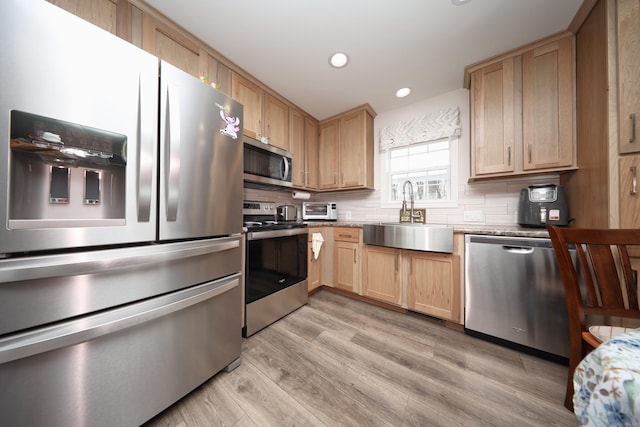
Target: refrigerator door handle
(87, 263)
(97, 325)
(172, 155)
(145, 153)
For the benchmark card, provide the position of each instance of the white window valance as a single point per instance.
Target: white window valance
(437, 125)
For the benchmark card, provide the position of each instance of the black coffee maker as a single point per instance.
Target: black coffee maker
(542, 205)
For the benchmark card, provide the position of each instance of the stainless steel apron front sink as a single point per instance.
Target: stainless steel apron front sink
(418, 237)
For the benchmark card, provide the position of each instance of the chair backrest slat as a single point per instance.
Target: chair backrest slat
(601, 280)
(587, 274)
(606, 273)
(630, 279)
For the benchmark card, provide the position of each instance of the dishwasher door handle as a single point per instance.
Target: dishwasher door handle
(522, 250)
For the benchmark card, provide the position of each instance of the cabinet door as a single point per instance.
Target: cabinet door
(297, 147)
(218, 73)
(346, 266)
(629, 196)
(628, 81)
(328, 155)
(101, 13)
(433, 284)
(311, 153)
(493, 134)
(381, 274)
(314, 270)
(351, 151)
(276, 122)
(168, 44)
(250, 96)
(547, 105)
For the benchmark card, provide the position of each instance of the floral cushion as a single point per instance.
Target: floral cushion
(607, 383)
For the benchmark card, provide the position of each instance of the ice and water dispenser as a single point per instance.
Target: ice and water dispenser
(64, 174)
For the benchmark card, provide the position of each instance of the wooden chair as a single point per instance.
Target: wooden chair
(600, 286)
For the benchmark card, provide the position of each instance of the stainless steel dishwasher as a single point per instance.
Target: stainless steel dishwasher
(514, 292)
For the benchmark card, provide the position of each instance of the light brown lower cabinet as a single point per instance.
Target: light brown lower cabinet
(314, 266)
(629, 191)
(381, 274)
(426, 282)
(434, 285)
(347, 246)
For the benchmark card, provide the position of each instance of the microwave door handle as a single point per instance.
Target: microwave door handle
(146, 136)
(285, 167)
(172, 147)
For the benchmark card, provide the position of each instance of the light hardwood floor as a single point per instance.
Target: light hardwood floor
(338, 361)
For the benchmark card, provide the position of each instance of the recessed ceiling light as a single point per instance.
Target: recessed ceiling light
(401, 93)
(338, 60)
(459, 2)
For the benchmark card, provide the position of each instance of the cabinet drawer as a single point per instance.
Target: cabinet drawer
(346, 234)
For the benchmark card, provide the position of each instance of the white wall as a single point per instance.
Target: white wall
(496, 200)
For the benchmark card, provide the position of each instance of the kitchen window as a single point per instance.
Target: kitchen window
(431, 168)
(424, 151)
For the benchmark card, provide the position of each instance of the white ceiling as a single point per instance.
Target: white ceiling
(422, 44)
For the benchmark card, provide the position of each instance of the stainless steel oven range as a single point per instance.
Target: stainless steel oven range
(276, 266)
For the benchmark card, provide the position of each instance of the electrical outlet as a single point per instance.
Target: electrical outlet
(348, 215)
(473, 216)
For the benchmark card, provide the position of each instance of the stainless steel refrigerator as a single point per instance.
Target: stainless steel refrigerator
(120, 225)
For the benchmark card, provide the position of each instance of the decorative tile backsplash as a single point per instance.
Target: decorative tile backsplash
(496, 200)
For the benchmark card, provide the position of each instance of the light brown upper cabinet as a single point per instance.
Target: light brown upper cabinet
(522, 110)
(101, 13)
(493, 120)
(311, 153)
(547, 106)
(264, 114)
(303, 144)
(328, 146)
(628, 29)
(276, 121)
(345, 150)
(171, 45)
(297, 147)
(250, 95)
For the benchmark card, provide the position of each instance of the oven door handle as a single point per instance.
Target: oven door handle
(270, 234)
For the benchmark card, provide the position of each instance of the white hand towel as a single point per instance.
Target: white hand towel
(316, 244)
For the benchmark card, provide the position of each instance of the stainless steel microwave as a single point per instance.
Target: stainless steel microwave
(265, 164)
(320, 211)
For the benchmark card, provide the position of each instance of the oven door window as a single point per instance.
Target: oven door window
(317, 209)
(274, 264)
